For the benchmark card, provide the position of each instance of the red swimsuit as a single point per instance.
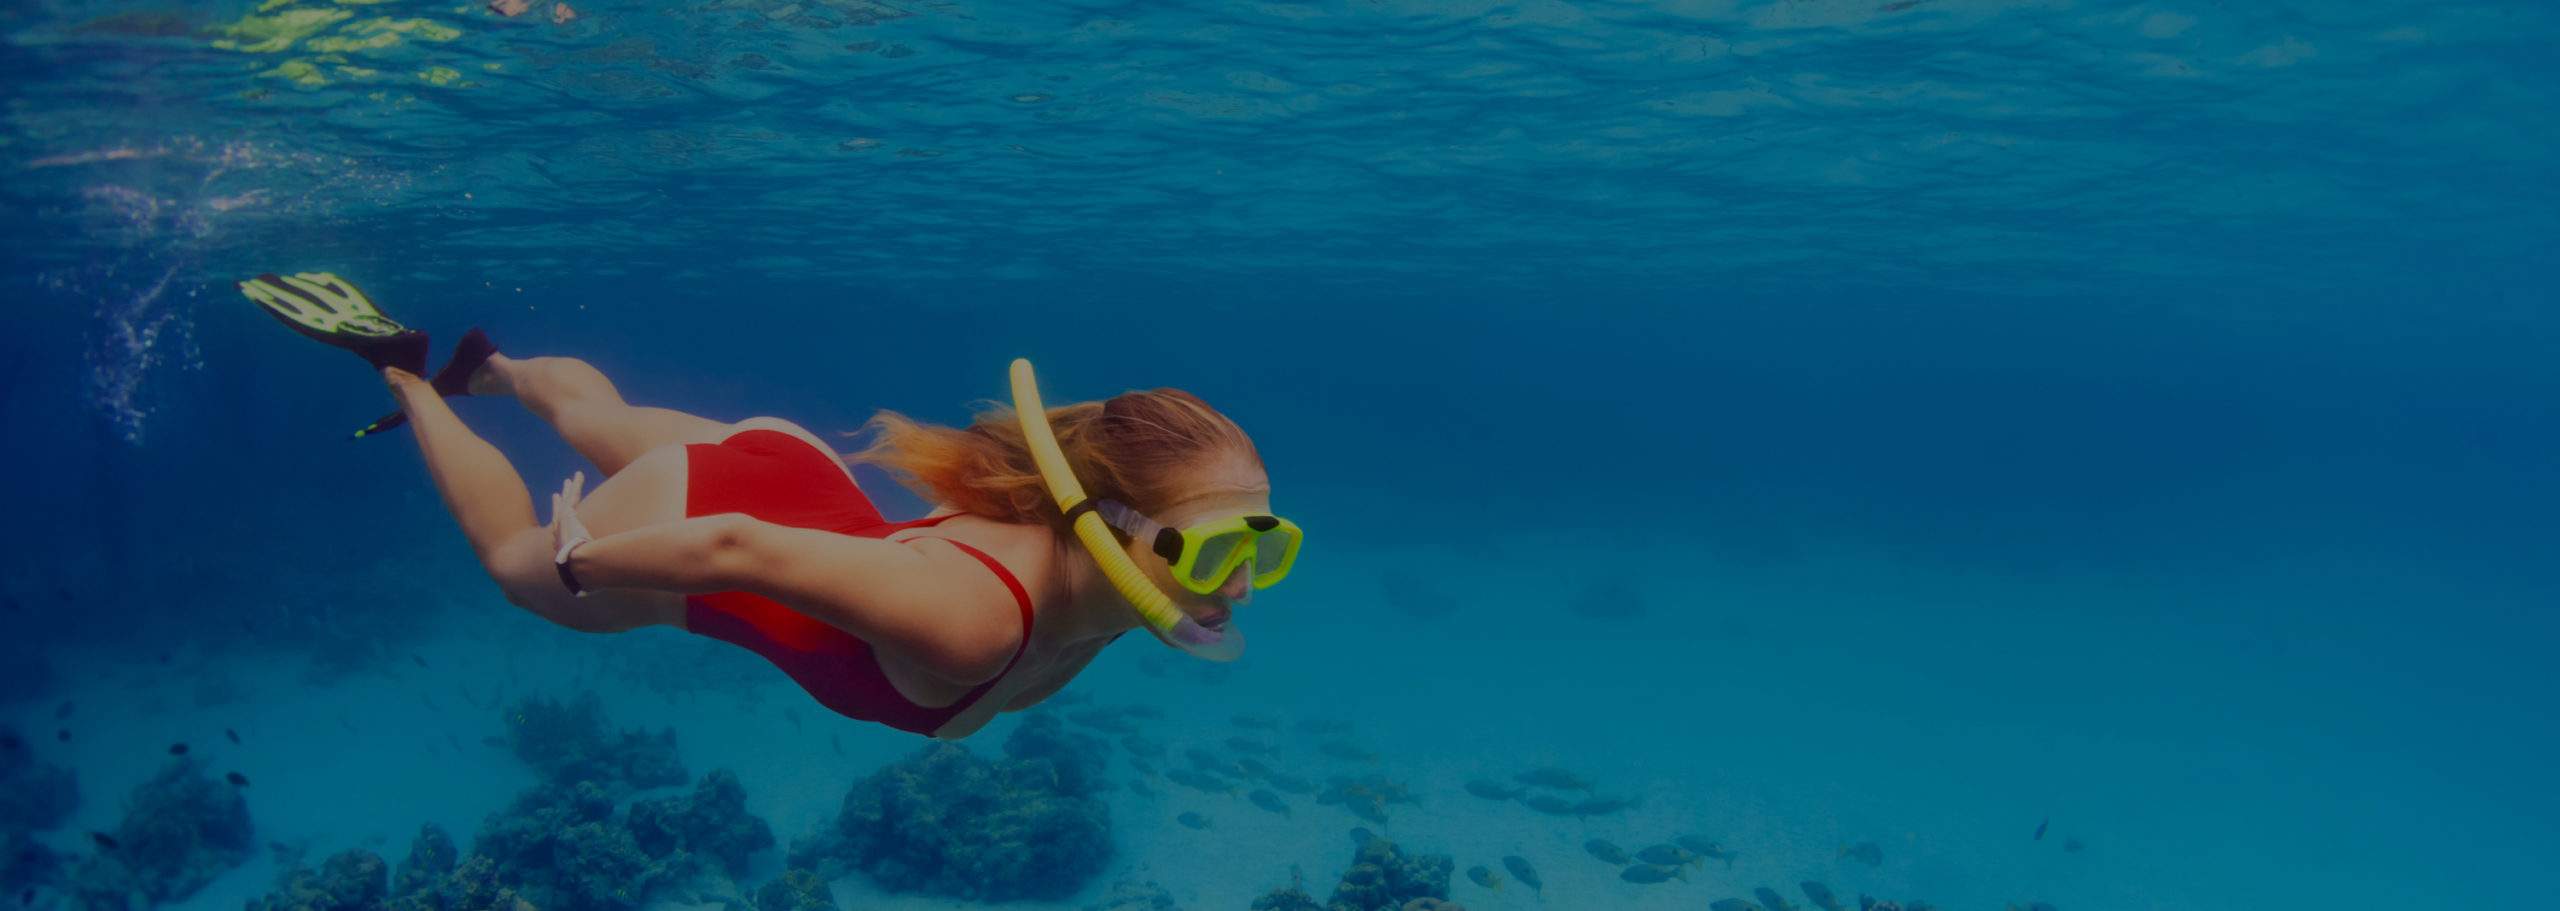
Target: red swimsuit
(782, 479)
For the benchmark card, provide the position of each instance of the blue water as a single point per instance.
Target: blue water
(2133, 415)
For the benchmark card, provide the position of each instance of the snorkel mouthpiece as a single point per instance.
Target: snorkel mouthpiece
(1154, 607)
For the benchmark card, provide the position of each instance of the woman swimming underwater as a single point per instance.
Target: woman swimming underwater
(755, 533)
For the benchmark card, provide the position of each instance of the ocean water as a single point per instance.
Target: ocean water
(1818, 423)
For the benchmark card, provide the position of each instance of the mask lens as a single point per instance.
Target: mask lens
(1211, 566)
(1270, 554)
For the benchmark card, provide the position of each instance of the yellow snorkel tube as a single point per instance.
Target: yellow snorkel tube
(1169, 623)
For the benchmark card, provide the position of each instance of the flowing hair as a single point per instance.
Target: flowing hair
(1139, 447)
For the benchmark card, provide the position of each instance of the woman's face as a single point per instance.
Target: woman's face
(1236, 488)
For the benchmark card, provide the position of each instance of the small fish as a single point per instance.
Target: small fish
(1248, 745)
(162, 658)
(1143, 711)
(62, 711)
(1653, 873)
(1667, 856)
(1192, 820)
(1606, 851)
(1290, 784)
(1484, 877)
(1520, 870)
(837, 743)
(1864, 852)
(1140, 787)
(1268, 801)
(10, 743)
(28, 897)
(1324, 726)
(1492, 790)
(1552, 777)
(422, 662)
(1732, 904)
(1141, 746)
(1771, 900)
(1253, 767)
(237, 780)
(2072, 846)
(2041, 826)
(1256, 722)
(234, 735)
(1706, 848)
(63, 735)
(177, 749)
(1820, 895)
(104, 840)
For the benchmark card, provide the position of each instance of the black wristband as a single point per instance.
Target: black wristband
(569, 579)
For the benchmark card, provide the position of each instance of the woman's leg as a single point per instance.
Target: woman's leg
(488, 498)
(577, 400)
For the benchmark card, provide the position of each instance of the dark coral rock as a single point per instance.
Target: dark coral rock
(946, 822)
(1127, 895)
(1291, 898)
(712, 824)
(474, 885)
(1382, 878)
(1077, 761)
(350, 881)
(25, 863)
(560, 848)
(33, 794)
(569, 742)
(431, 858)
(181, 829)
(796, 890)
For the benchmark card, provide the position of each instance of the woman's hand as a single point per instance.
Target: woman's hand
(566, 531)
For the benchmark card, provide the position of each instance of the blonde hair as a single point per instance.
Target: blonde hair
(1139, 447)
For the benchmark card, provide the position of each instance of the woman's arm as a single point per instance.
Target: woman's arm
(928, 602)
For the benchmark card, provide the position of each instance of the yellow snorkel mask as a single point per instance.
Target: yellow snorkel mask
(1202, 557)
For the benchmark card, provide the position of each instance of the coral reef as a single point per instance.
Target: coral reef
(25, 863)
(431, 857)
(568, 743)
(33, 794)
(711, 824)
(350, 881)
(947, 822)
(559, 847)
(1381, 878)
(180, 830)
(474, 885)
(1127, 895)
(796, 890)
(1078, 760)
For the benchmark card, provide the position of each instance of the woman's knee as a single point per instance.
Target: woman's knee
(526, 575)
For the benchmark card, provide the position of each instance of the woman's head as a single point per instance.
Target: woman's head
(1162, 452)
